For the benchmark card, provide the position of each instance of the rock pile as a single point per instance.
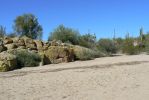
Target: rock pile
(51, 52)
(7, 61)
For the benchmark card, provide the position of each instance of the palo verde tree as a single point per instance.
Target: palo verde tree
(28, 25)
(64, 34)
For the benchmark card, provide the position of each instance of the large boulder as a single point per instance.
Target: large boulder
(46, 45)
(52, 54)
(3, 66)
(11, 46)
(30, 44)
(39, 45)
(45, 48)
(44, 59)
(7, 61)
(15, 39)
(58, 54)
(21, 42)
(53, 43)
(8, 40)
(71, 55)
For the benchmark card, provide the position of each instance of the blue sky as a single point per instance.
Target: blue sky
(97, 16)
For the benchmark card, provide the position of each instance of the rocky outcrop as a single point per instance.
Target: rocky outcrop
(3, 66)
(21, 42)
(59, 54)
(44, 59)
(39, 45)
(8, 40)
(2, 48)
(7, 61)
(52, 52)
(30, 44)
(11, 46)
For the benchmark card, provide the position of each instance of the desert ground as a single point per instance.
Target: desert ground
(108, 78)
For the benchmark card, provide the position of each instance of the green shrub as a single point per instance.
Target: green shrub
(147, 47)
(65, 34)
(107, 46)
(119, 42)
(82, 53)
(129, 48)
(146, 42)
(27, 59)
(87, 40)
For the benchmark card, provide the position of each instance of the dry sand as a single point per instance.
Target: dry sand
(109, 78)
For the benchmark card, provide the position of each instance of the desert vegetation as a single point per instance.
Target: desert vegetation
(64, 44)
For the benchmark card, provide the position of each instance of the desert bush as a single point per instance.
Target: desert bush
(119, 42)
(87, 40)
(26, 58)
(82, 53)
(147, 47)
(107, 46)
(146, 43)
(64, 34)
(129, 48)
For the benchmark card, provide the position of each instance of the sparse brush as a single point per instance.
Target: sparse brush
(82, 53)
(27, 59)
(129, 48)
